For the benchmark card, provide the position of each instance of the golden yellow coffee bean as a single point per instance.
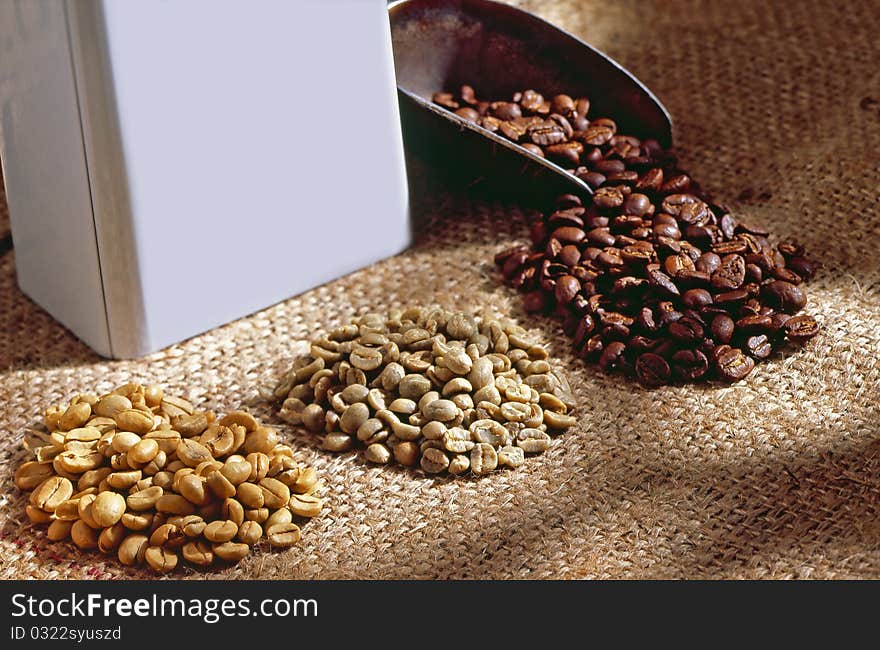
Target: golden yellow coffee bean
(161, 559)
(144, 451)
(133, 420)
(133, 549)
(220, 531)
(199, 553)
(108, 509)
(83, 535)
(231, 551)
(114, 475)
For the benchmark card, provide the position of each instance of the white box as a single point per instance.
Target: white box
(172, 166)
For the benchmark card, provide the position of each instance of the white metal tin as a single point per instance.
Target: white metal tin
(173, 166)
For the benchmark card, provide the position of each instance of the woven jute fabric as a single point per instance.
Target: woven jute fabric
(777, 476)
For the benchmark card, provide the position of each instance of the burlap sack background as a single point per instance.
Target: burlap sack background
(773, 477)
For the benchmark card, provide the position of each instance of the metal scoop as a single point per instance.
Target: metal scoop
(439, 45)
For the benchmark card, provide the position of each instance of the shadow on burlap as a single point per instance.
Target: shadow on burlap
(778, 476)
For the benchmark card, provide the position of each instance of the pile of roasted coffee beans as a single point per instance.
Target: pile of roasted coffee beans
(557, 129)
(652, 278)
(146, 476)
(446, 391)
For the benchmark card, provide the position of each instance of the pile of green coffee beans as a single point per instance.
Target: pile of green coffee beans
(446, 391)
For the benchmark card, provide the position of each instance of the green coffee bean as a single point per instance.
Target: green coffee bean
(434, 461)
(429, 382)
(123, 480)
(192, 452)
(219, 485)
(484, 458)
(459, 464)
(511, 456)
(144, 499)
(377, 453)
(337, 442)
(532, 440)
(250, 495)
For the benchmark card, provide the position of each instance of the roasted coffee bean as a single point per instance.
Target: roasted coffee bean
(801, 328)
(593, 179)
(546, 133)
(728, 225)
(675, 264)
(730, 274)
(468, 114)
(650, 181)
(804, 267)
(758, 346)
(582, 106)
(638, 205)
(612, 355)
(652, 370)
(689, 364)
(446, 100)
(708, 263)
(787, 275)
(777, 323)
(676, 184)
(490, 123)
(533, 148)
(569, 235)
(566, 152)
(531, 100)
(505, 110)
(728, 299)
(754, 273)
(662, 281)
(790, 249)
(755, 323)
(722, 328)
(733, 365)
(686, 331)
(564, 105)
(513, 130)
(784, 296)
(608, 197)
(567, 287)
(696, 298)
(567, 129)
(666, 313)
(609, 166)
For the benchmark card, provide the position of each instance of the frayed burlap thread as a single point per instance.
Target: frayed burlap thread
(774, 477)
